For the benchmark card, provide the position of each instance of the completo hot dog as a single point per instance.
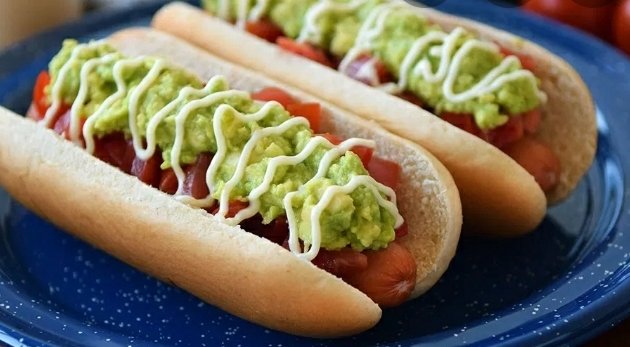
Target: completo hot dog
(247, 162)
(499, 89)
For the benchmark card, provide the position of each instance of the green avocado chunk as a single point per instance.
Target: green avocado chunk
(355, 219)
(339, 26)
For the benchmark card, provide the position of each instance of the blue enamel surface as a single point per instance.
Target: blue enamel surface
(561, 284)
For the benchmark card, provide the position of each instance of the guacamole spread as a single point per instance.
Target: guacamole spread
(108, 90)
(414, 51)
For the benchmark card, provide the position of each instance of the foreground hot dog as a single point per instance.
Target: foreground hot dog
(247, 162)
(498, 88)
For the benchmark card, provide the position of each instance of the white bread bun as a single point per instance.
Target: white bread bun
(498, 196)
(237, 271)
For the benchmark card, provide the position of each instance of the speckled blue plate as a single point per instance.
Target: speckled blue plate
(563, 283)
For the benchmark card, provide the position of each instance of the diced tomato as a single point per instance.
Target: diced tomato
(264, 29)
(147, 171)
(39, 96)
(465, 122)
(195, 183)
(356, 70)
(312, 111)
(274, 94)
(342, 262)
(304, 49)
(62, 123)
(112, 149)
(385, 171)
(527, 61)
(365, 153)
(334, 139)
(168, 181)
(531, 121)
(507, 133)
(277, 231)
(412, 98)
(402, 231)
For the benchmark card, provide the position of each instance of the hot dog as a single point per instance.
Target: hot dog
(109, 111)
(391, 62)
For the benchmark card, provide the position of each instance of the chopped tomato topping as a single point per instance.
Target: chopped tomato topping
(277, 231)
(168, 181)
(264, 29)
(234, 207)
(304, 49)
(342, 262)
(39, 96)
(507, 133)
(527, 61)
(365, 67)
(274, 94)
(402, 230)
(465, 122)
(112, 149)
(312, 111)
(62, 123)
(195, 182)
(334, 139)
(385, 171)
(365, 153)
(147, 171)
(411, 97)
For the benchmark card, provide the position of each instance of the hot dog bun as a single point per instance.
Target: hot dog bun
(498, 196)
(234, 270)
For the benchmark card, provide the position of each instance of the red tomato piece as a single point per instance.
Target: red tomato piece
(465, 122)
(304, 49)
(507, 133)
(402, 231)
(195, 183)
(168, 181)
(365, 153)
(412, 98)
(274, 94)
(385, 171)
(342, 262)
(147, 171)
(112, 149)
(39, 96)
(593, 16)
(264, 29)
(277, 231)
(621, 26)
(527, 61)
(62, 121)
(356, 70)
(312, 111)
(334, 139)
(531, 121)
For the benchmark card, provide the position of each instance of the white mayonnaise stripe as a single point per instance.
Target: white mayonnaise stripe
(203, 98)
(450, 57)
(375, 188)
(310, 31)
(134, 98)
(243, 160)
(333, 153)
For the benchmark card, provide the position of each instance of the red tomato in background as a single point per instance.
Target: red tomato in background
(589, 15)
(621, 26)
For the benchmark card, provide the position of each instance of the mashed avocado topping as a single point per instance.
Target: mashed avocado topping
(450, 72)
(261, 154)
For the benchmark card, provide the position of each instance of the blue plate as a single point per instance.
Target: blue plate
(563, 283)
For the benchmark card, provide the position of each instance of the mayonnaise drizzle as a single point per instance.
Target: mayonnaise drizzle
(203, 98)
(444, 48)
